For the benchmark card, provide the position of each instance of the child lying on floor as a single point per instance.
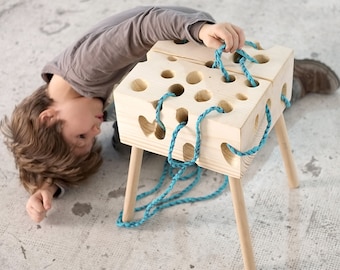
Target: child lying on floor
(52, 133)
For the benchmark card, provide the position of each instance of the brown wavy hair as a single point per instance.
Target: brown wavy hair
(40, 152)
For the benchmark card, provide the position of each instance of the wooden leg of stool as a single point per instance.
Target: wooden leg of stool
(135, 165)
(242, 223)
(286, 152)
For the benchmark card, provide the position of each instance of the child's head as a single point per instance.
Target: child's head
(40, 150)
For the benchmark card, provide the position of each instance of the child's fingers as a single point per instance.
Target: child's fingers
(230, 38)
(35, 209)
(214, 35)
(241, 36)
(214, 42)
(233, 36)
(46, 200)
(36, 215)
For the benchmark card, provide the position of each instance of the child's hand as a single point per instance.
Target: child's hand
(214, 35)
(40, 202)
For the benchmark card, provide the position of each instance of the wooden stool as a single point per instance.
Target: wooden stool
(185, 70)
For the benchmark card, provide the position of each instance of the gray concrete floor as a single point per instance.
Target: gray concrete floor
(291, 229)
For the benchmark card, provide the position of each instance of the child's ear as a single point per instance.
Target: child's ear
(48, 116)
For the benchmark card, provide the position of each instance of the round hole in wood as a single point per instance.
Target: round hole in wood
(188, 151)
(226, 106)
(209, 64)
(138, 85)
(172, 58)
(241, 96)
(228, 155)
(247, 83)
(232, 78)
(203, 95)
(167, 74)
(194, 77)
(182, 115)
(177, 89)
(159, 132)
(261, 59)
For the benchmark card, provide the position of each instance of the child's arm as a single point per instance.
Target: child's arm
(40, 202)
(103, 56)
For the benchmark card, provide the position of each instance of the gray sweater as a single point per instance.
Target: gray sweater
(103, 55)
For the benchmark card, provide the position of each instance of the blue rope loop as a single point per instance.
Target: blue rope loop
(244, 56)
(258, 147)
(251, 44)
(198, 139)
(285, 100)
(159, 108)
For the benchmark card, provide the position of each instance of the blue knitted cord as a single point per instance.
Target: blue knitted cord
(257, 148)
(247, 73)
(251, 44)
(219, 64)
(285, 100)
(159, 108)
(161, 202)
(244, 56)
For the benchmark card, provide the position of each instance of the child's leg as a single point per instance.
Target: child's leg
(311, 76)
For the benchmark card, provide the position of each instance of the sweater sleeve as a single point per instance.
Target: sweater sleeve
(108, 51)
